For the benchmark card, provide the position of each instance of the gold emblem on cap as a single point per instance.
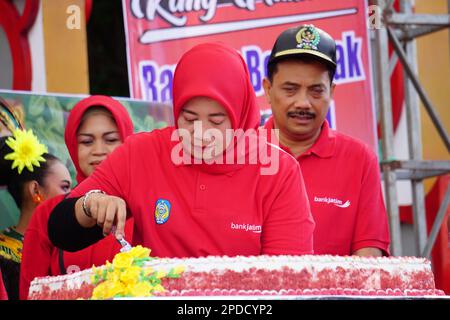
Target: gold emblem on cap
(308, 38)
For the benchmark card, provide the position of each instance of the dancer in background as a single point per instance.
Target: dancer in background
(31, 175)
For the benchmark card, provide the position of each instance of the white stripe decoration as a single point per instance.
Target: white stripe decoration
(152, 36)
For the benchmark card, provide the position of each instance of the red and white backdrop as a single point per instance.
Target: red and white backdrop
(15, 49)
(159, 32)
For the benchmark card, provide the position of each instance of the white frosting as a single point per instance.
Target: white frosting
(309, 262)
(403, 267)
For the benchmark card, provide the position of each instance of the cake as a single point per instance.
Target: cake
(135, 274)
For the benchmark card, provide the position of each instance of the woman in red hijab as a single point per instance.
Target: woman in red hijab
(189, 192)
(95, 127)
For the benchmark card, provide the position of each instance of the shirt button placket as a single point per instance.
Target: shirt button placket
(202, 197)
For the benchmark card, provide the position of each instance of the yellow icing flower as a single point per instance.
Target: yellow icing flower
(139, 252)
(122, 260)
(27, 150)
(114, 275)
(141, 289)
(108, 290)
(178, 269)
(100, 291)
(96, 271)
(115, 288)
(130, 275)
(97, 274)
(158, 288)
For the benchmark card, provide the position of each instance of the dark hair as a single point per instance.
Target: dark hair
(14, 181)
(272, 68)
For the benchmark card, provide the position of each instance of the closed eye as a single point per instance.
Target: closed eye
(112, 140)
(217, 119)
(85, 139)
(189, 116)
(317, 89)
(86, 142)
(190, 119)
(290, 89)
(111, 137)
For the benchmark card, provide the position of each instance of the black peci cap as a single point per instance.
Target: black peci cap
(305, 40)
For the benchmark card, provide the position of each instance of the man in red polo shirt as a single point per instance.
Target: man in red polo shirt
(341, 174)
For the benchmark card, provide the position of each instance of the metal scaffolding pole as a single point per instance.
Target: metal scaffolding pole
(423, 95)
(385, 103)
(414, 141)
(406, 26)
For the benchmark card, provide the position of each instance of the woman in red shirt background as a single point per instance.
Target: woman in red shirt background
(95, 127)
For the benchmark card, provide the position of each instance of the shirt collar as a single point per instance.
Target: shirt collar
(324, 146)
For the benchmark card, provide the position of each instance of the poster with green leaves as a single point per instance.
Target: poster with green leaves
(46, 115)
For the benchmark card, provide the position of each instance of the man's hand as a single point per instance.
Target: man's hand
(106, 211)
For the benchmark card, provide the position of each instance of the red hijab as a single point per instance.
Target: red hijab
(219, 72)
(120, 114)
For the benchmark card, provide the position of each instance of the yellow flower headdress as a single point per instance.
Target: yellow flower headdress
(27, 150)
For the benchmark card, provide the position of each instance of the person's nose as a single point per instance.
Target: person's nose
(99, 148)
(301, 100)
(202, 132)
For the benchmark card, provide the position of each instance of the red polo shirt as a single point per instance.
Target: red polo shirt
(199, 210)
(342, 180)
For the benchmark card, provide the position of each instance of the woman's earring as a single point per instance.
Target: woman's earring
(37, 198)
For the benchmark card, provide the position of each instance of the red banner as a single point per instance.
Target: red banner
(160, 31)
